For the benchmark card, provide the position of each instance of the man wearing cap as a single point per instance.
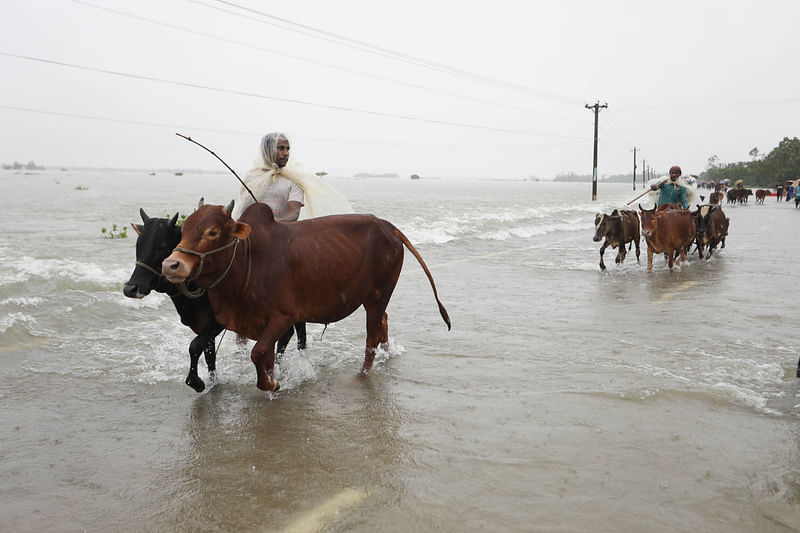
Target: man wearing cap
(672, 192)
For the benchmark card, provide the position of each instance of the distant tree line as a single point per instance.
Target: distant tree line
(16, 165)
(780, 165)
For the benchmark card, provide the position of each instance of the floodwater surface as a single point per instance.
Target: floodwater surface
(564, 398)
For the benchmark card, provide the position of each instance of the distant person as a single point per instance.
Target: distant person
(672, 192)
(779, 191)
(790, 192)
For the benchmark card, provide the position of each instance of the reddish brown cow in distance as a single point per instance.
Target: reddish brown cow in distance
(670, 232)
(761, 194)
(618, 229)
(264, 276)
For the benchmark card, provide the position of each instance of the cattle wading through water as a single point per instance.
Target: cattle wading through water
(263, 276)
(667, 231)
(712, 229)
(156, 239)
(619, 228)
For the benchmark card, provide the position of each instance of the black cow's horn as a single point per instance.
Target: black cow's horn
(145, 218)
(229, 208)
(174, 219)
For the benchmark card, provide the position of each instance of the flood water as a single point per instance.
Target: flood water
(564, 398)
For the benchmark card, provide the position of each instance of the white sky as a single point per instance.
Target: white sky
(684, 80)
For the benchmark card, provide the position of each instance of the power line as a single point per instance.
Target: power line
(251, 133)
(283, 99)
(385, 52)
(284, 54)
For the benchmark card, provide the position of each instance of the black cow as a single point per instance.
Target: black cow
(157, 238)
(712, 229)
(619, 228)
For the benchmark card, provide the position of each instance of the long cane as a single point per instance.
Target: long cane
(645, 192)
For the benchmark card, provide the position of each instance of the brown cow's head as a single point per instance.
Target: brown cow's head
(205, 232)
(607, 225)
(648, 220)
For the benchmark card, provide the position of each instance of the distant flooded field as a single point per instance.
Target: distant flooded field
(564, 398)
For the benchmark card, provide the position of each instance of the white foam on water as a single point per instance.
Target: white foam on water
(23, 301)
(10, 320)
(28, 268)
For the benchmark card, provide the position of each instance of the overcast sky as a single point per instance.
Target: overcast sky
(438, 88)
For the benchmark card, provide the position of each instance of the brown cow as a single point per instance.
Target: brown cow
(761, 194)
(618, 229)
(712, 229)
(670, 232)
(715, 198)
(264, 276)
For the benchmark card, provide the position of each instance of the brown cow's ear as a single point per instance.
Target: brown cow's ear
(137, 228)
(241, 230)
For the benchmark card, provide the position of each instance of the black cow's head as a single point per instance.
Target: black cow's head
(705, 223)
(157, 238)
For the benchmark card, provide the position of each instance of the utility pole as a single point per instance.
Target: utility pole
(596, 108)
(644, 173)
(634, 168)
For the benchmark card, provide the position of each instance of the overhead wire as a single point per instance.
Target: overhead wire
(254, 133)
(381, 51)
(282, 99)
(285, 54)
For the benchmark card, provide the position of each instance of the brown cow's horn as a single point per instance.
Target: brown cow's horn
(200, 203)
(145, 218)
(229, 208)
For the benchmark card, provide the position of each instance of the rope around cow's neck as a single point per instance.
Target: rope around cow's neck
(202, 256)
(182, 288)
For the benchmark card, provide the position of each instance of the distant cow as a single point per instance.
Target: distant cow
(264, 276)
(670, 232)
(618, 229)
(712, 229)
(715, 198)
(761, 194)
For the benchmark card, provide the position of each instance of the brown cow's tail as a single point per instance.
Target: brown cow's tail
(442, 310)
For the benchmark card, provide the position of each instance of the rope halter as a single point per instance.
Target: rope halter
(202, 256)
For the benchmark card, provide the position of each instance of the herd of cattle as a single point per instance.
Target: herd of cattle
(252, 276)
(668, 229)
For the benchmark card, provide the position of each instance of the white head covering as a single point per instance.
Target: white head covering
(320, 198)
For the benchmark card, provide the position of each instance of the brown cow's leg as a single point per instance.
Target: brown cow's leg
(263, 353)
(377, 333)
(649, 259)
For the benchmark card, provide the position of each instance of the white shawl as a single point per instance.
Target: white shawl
(321, 198)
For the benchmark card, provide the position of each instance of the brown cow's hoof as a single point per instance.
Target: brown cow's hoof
(270, 386)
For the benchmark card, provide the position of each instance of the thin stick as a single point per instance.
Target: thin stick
(223, 162)
(645, 192)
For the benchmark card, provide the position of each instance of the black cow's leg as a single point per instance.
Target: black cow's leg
(283, 342)
(798, 368)
(602, 250)
(210, 353)
(196, 347)
(300, 327)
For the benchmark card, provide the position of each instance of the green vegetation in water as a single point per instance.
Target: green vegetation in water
(181, 219)
(81, 188)
(115, 232)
